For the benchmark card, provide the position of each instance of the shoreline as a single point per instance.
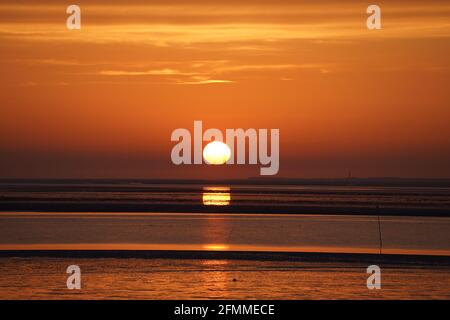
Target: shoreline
(54, 206)
(395, 259)
(281, 181)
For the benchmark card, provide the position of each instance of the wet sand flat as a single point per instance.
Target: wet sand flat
(225, 232)
(135, 278)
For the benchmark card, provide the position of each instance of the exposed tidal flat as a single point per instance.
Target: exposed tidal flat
(237, 242)
(222, 256)
(169, 278)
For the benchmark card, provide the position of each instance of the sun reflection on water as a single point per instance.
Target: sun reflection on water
(216, 196)
(216, 247)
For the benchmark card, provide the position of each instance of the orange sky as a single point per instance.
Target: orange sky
(102, 101)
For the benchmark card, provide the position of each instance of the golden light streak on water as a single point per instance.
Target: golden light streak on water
(216, 196)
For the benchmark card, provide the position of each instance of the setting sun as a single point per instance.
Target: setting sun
(216, 152)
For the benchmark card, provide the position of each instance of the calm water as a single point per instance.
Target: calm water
(45, 278)
(180, 197)
(224, 232)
